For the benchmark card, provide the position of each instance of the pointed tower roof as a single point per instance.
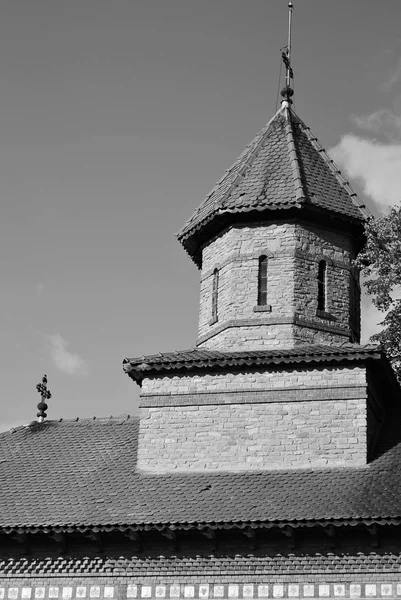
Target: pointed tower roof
(284, 168)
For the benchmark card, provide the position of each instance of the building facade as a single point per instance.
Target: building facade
(266, 461)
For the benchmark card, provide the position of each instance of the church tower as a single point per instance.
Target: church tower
(275, 240)
(266, 461)
(278, 379)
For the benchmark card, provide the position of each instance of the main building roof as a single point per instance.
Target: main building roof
(77, 475)
(283, 168)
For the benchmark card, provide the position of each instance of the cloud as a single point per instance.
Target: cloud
(395, 76)
(383, 122)
(376, 166)
(63, 359)
(385, 67)
(39, 287)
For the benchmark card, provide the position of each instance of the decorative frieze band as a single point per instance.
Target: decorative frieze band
(273, 320)
(62, 593)
(278, 590)
(205, 591)
(255, 396)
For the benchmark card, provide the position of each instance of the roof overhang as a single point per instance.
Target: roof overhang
(196, 526)
(196, 238)
(213, 360)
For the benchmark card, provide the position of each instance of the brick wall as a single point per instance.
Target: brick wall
(294, 251)
(195, 570)
(271, 419)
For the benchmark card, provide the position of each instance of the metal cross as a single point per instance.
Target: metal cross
(287, 92)
(45, 395)
(288, 65)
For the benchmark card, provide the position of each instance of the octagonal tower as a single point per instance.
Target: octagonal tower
(275, 240)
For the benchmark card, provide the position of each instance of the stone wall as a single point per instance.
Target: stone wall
(263, 379)
(254, 420)
(294, 250)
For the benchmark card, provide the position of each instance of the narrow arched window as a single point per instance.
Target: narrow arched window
(215, 293)
(321, 286)
(262, 281)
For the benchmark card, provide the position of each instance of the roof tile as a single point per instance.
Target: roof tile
(79, 474)
(283, 167)
(138, 368)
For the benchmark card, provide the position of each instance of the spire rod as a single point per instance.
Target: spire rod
(288, 64)
(287, 91)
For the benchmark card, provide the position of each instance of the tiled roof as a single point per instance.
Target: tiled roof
(142, 366)
(284, 167)
(259, 562)
(82, 474)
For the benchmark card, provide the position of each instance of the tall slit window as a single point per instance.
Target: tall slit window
(215, 294)
(262, 281)
(321, 286)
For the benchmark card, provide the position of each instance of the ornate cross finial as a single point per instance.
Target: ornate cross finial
(287, 91)
(45, 395)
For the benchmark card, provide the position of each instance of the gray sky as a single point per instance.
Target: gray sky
(116, 118)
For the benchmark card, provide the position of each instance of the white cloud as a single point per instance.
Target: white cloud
(395, 76)
(382, 122)
(63, 359)
(376, 166)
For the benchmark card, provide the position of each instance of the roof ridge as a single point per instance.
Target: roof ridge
(294, 160)
(251, 149)
(111, 419)
(332, 166)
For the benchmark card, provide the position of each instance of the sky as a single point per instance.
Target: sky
(116, 119)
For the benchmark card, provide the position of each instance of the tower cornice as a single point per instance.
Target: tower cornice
(284, 168)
